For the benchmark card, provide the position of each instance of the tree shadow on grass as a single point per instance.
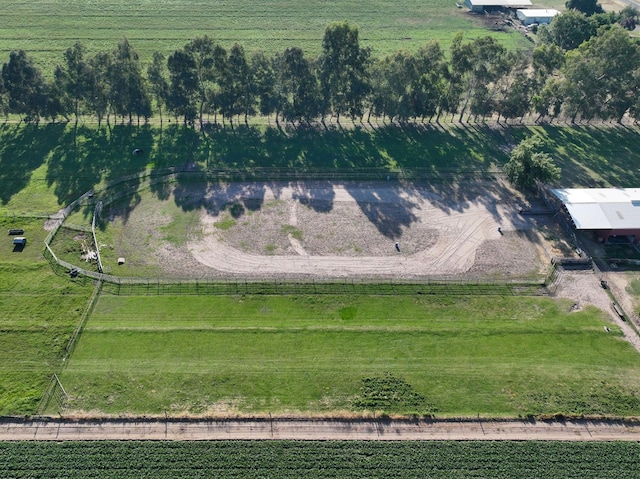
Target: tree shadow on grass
(23, 149)
(75, 165)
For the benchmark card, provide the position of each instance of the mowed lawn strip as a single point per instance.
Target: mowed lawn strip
(496, 356)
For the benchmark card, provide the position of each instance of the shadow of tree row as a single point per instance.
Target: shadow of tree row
(80, 158)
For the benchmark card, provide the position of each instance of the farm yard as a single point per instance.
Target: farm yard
(134, 348)
(450, 322)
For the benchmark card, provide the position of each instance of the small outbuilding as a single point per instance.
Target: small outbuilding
(540, 16)
(479, 6)
(20, 241)
(612, 214)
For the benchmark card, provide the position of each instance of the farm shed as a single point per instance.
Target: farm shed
(529, 16)
(612, 214)
(482, 5)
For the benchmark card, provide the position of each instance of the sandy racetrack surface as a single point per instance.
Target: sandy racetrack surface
(350, 230)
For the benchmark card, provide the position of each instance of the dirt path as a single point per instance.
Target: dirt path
(373, 430)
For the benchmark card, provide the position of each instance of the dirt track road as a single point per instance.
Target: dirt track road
(376, 430)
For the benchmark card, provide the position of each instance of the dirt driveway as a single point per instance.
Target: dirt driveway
(370, 430)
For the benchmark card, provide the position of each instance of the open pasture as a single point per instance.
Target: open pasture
(43, 168)
(350, 355)
(46, 28)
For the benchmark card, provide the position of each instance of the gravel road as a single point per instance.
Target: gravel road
(373, 430)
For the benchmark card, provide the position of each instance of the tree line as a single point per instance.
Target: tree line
(584, 68)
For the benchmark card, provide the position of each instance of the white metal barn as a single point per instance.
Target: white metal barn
(529, 16)
(482, 5)
(612, 214)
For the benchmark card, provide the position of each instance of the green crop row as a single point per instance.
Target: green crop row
(287, 459)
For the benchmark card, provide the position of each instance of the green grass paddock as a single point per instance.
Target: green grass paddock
(319, 459)
(38, 312)
(43, 168)
(46, 29)
(493, 356)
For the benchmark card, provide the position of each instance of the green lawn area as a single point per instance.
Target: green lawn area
(319, 459)
(46, 29)
(449, 356)
(39, 310)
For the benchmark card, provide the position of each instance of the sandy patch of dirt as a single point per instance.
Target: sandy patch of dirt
(583, 288)
(350, 230)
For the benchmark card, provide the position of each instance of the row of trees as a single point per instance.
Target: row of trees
(595, 75)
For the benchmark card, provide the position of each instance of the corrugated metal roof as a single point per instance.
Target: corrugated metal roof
(501, 3)
(537, 12)
(602, 208)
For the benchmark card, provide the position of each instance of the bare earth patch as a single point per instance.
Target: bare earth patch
(321, 230)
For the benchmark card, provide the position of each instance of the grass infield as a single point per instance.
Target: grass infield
(334, 354)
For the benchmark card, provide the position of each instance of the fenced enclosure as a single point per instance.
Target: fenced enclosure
(111, 284)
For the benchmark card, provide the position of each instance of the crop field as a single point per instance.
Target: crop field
(312, 459)
(350, 355)
(46, 28)
(43, 168)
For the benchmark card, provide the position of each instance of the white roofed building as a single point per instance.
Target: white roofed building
(482, 5)
(611, 213)
(529, 16)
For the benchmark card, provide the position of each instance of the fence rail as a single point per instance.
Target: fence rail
(351, 286)
(54, 393)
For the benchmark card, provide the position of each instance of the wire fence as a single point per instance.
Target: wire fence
(71, 344)
(146, 287)
(96, 214)
(54, 397)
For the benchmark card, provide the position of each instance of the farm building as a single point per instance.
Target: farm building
(612, 214)
(482, 5)
(529, 16)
